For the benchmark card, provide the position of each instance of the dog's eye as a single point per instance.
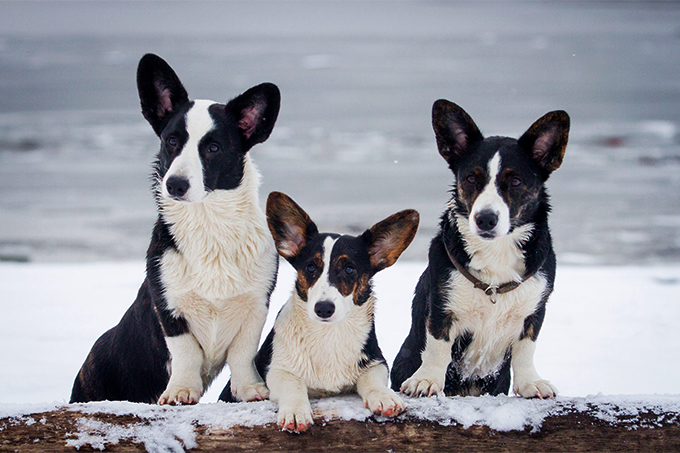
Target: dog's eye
(349, 270)
(172, 141)
(213, 148)
(515, 182)
(310, 268)
(471, 179)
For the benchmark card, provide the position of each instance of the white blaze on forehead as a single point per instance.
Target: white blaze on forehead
(322, 290)
(491, 200)
(188, 163)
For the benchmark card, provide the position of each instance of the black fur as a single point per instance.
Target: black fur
(298, 240)
(531, 158)
(130, 361)
(356, 247)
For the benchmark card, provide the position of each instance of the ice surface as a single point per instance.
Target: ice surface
(353, 142)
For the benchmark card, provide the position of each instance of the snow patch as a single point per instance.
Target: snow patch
(172, 429)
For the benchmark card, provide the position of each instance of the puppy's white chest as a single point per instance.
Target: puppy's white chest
(494, 327)
(326, 357)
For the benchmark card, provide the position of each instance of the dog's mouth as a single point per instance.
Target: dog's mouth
(487, 235)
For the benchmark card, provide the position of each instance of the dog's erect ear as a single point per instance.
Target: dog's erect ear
(389, 238)
(289, 224)
(546, 140)
(160, 91)
(256, 111)
(454, 129)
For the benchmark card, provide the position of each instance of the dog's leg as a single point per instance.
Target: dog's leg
(246, 383)
(290, 392)
(377, 396)
(185, 385)
(527, 382)
(430, 378)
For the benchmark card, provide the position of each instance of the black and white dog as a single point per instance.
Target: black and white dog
(211, 264)
(480, 304)
(323, 341)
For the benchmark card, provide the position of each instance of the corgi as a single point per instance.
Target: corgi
(324, 342)
(479, 305)
(211, 265)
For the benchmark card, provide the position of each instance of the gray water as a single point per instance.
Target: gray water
(353, 142)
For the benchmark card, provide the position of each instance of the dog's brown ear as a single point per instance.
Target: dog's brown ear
(160, 91)
(256, 111)
(289, 224)
(546, 140)
(454, 130)
(389, 238)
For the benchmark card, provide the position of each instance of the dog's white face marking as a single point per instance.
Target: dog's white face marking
(187, 165)
(323, 295)
(490, 205)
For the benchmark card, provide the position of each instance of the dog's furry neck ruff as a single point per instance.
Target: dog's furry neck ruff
(222, 221)
(476, 246)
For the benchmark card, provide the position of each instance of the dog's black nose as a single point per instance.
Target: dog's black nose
(324, 309)
(177, 186)
(486, 220)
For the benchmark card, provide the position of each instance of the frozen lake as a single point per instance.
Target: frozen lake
(353, 142)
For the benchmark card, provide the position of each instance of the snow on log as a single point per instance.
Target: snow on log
(624, 423)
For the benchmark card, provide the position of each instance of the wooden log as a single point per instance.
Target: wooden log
(569, 430)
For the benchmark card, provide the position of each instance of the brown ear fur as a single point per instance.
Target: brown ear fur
(390, 237)
(289, 224)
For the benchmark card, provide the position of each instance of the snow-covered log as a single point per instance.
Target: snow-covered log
(646, 423)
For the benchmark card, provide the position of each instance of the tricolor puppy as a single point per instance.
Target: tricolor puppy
(480, 304)
(323, 341)
(211, 264)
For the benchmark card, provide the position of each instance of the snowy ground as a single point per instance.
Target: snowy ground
(608, 329)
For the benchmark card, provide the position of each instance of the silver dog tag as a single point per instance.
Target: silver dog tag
(492, 291)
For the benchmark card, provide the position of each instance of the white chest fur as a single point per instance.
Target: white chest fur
(325, 356)
(494, 327)
(225, 261)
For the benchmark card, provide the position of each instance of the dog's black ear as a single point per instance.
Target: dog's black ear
(389, 238)
(289, 224)
(160, 91)
(256, 111)
(546, 140)
(454, 129)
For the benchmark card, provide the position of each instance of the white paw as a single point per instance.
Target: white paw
(295, 418)
(252, 392)
(419, 385)
(179, 396)
(384, 402)
(535, 389)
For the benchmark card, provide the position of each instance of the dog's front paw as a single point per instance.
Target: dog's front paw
(418, 385)
(295, 419)
(384, 402)
(179, 396)
(535, 389)
(252, 392)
